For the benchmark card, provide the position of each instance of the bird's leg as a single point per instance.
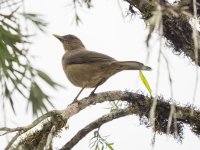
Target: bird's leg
(92, 93)
(76, 98)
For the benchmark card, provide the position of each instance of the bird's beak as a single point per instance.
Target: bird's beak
(58, 37)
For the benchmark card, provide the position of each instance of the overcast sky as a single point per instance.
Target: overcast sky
(106, 31)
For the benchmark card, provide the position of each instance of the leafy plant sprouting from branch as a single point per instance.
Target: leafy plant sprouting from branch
(17, 76)
(145, 82)
(115, 105)
(100, 143)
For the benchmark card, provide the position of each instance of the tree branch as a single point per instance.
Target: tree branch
(28, 127)
(13, 140)
(96, 124)
(140, 105)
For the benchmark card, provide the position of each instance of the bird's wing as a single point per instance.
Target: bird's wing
(84, 56)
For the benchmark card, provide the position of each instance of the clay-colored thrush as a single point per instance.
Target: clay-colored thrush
(89, 69)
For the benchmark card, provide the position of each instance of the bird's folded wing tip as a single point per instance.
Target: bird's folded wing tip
(146, 68)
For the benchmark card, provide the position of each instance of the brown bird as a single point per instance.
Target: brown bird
(89, 69)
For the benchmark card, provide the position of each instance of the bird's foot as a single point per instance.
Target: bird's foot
(92, 94)
(75, 100)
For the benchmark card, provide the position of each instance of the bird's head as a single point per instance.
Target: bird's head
(70, 42)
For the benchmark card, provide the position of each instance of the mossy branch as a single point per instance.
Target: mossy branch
(138, 104)
(176, 26)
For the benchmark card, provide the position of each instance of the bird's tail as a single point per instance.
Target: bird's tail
(132, 65)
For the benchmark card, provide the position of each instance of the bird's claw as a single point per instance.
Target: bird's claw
(92, 94)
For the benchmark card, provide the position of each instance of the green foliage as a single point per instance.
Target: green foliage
(145, 82)
(100, 143)
(36, 20)
(115, 105)
(47, 79)
(17, 76)
(38, 96)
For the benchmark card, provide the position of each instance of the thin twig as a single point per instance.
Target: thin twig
(196, 48)
(9, 130)
(24, 129)
(50, 138)
(13, 140)
(153, 107)
(28, 127)
(159, 25)
(172, 114)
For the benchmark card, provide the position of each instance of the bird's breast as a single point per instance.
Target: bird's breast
(86, 75)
